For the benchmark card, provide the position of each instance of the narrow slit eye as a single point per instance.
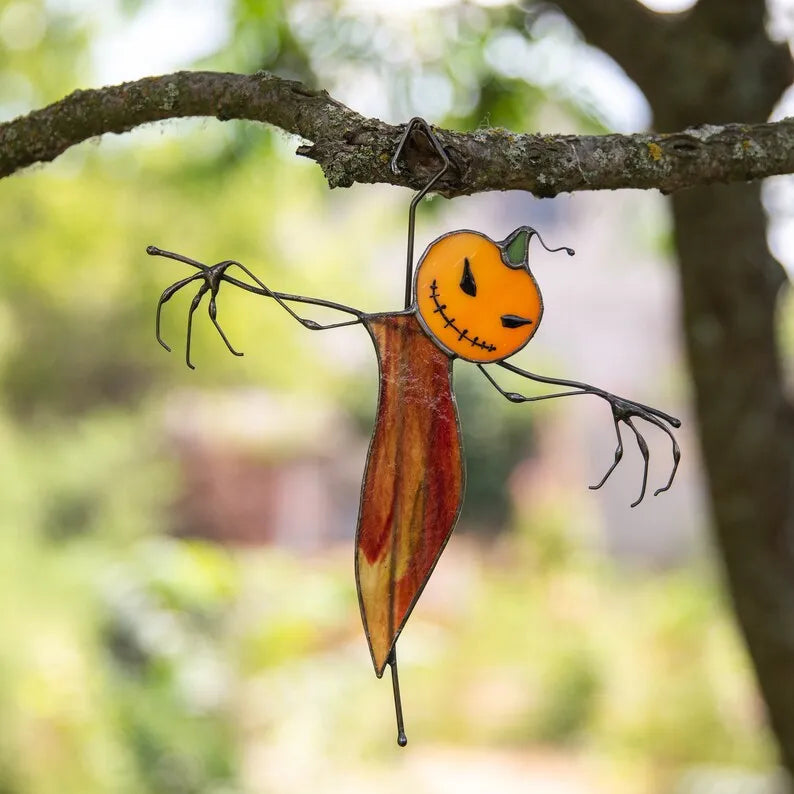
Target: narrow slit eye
(514, 321)
(467, 283)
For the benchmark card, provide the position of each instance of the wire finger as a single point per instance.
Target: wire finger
(618, 457)
(642, 444)
(676, 453)
(213, 312)
(193, 306)
(169, 293)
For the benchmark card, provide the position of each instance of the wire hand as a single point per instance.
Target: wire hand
(624, 411)
(212, 277)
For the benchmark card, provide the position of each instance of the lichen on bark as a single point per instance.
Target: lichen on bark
(350, 148)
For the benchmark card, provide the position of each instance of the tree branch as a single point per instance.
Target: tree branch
(350, 148)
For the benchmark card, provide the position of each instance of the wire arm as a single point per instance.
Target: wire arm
(515, 397)
(586, 388)
(622, 411)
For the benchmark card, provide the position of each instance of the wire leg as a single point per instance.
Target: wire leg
(402, 739)
(645, 455)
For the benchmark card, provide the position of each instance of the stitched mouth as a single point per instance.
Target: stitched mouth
(449, 322)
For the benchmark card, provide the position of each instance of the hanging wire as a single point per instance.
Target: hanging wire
(417, 123)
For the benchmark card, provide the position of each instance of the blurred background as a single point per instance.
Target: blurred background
(177, 601)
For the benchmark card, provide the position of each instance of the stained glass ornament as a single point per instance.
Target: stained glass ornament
(470, 298)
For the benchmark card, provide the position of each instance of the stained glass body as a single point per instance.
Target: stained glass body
(413, 485)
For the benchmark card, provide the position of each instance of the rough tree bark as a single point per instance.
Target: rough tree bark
(713, 64)
(710, 66)
(350, 148)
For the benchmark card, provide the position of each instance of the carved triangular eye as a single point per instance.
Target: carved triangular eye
(467, 283)
(515, 321)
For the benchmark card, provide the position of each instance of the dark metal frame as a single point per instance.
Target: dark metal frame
(212, 276)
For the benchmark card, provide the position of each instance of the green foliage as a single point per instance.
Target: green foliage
(163, 629)
(43, 54)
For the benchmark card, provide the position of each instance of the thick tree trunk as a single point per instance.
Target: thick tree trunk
(710, 64)
(730, 285)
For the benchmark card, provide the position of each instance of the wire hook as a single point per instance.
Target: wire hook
(414, 123)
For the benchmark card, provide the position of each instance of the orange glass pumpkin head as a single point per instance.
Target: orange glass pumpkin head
(478, 298)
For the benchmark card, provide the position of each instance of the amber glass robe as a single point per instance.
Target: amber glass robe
(413, 485)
